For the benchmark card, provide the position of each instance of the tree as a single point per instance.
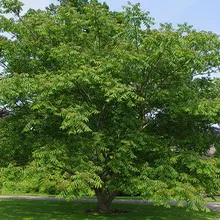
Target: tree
(109, 104)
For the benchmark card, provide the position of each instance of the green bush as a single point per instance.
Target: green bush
(30, 179)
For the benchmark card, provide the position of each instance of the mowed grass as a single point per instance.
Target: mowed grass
(51, 210)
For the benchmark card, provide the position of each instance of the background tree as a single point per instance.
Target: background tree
(109, 105)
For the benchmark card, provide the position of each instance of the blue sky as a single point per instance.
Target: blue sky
(202, 14)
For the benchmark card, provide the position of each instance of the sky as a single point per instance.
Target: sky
(202, 14)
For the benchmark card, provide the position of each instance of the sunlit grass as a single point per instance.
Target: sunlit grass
(53, 210)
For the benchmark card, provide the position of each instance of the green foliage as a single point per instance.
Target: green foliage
(11, 6)
(30, 179)
(101, 101)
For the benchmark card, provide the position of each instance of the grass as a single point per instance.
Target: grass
(54, 210)
(212, 200)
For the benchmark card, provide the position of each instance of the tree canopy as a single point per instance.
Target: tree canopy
(108, 103)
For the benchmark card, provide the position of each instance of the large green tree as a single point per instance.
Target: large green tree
(108, 104)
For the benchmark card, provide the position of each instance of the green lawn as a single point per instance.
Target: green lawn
(52, 210)
(212, 200)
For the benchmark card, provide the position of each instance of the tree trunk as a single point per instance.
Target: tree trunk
(104, 199)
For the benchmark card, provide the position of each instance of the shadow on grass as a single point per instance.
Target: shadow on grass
(54, 210)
